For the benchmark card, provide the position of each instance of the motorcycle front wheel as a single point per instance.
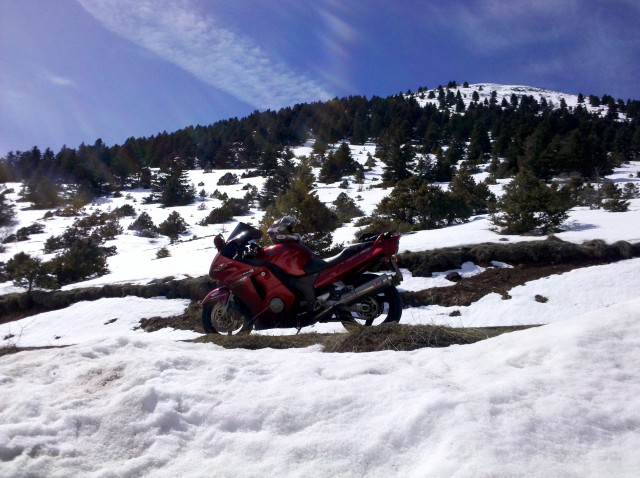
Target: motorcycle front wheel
(225, 319)
(382, 307)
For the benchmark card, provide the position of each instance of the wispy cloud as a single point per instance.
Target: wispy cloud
(59, 80)
(494, 25)
(176, 32)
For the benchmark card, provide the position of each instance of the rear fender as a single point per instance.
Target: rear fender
(221, 294)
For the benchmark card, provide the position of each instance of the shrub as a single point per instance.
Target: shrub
(230, 208)
(82, 259)
(99, 227)
(69, 211)
(346, 208)
(162, 253)
(615, 198)
(23, 233)
(228, 179)
(144, 226)
(126, 210)
(173, 226)
(28, 272)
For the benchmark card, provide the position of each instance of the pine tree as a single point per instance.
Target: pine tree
(399, 161)
(476, 196)
(175, 189)
(173, 226)
(7, 208)
(337, 165)
(29, 272)
(529, 204)
(346, 208)
(316, 220)
(480, 145)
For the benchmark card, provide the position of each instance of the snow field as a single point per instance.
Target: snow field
(550, 401)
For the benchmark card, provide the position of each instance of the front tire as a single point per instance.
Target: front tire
(225, 319)
(382, 307)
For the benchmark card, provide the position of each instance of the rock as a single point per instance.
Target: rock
(453, 277)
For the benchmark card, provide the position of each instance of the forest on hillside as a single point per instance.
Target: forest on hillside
(526, 132)
(430, 144)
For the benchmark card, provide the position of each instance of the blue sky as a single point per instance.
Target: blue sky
(72, 71)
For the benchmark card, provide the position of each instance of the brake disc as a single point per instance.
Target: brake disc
(367, 309)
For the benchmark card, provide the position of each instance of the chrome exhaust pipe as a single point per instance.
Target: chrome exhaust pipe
(365, 289)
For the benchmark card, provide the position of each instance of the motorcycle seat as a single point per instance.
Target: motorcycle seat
(317, 264)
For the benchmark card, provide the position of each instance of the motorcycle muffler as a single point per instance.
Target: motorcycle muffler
(379, 283)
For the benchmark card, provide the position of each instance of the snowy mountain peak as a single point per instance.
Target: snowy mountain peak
(484, 92)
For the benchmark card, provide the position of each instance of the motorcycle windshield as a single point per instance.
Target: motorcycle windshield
(243, 233)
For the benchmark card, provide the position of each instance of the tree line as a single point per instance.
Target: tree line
(526, 131)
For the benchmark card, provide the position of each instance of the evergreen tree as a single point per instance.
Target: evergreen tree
(528, 204)
(337, 165)
(175, 189)
(28, 272)
(399, 161)
(7, 208)
(480, 145)
(414, 205)
(144, 226)
(277, 182)
(476, 196)
(317, 221)
(173, 226)
(268, 161)
(82, 259)
(42, 192)
(346, 208)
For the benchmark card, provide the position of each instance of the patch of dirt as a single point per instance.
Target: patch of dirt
(189, 320)
(366, 339)
(472, 289)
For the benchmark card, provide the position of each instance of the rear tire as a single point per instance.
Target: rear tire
(382, 307)
(229, 319)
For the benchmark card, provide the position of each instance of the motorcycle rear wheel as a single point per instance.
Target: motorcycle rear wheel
(382, 307)
(225, 319)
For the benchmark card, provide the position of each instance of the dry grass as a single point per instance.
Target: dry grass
(366, 339)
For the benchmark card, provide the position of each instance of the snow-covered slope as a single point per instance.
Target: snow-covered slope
(558, 400)
(505, 92)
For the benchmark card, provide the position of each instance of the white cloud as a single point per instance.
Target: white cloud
(173, 30)
(59, 80)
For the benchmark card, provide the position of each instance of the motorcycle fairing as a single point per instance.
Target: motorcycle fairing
(221, 294)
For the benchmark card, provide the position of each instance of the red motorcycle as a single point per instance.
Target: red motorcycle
(285, 285)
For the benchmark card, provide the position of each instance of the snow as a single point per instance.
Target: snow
(85, 321)
(569, 294)
(549, 401)
(555, 400)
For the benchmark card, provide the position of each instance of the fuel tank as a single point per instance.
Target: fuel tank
(291, 257)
